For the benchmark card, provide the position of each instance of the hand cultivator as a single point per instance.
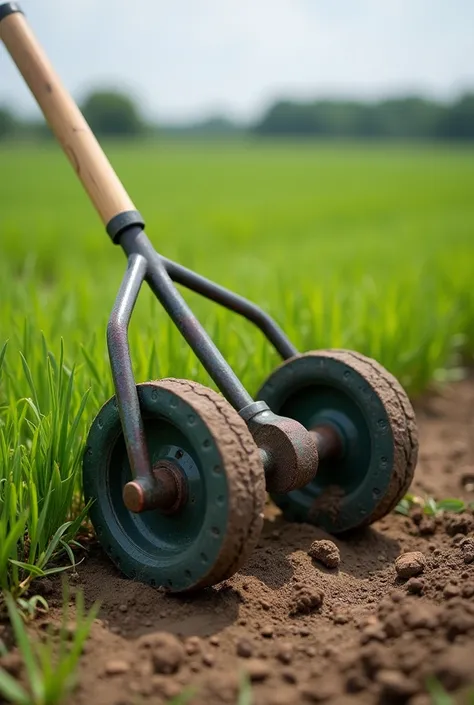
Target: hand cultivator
(179, 473)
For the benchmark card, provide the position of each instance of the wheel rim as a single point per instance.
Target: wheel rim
(314, 389)
(174, 551)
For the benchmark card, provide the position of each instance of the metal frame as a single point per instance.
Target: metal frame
(145, 264)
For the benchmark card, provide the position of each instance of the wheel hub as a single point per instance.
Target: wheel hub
(168, 492)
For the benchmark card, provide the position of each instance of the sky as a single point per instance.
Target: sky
(188, 59)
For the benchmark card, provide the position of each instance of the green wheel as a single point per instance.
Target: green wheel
(209, 538)
(375, 424)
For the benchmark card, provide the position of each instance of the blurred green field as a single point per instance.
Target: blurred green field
(367, 247)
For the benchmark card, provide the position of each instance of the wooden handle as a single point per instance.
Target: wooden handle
(65, 119)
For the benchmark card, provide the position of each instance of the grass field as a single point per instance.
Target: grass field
(362, 247)
(365, 247)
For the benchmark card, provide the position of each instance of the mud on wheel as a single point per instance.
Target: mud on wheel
(370, 411)
(209, 538)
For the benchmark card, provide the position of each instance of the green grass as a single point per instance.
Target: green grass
(40, 456)
(51, 663)
(432, 507)
(439, 696)
(362, 247)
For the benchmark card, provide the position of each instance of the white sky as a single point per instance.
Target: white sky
(185, 59)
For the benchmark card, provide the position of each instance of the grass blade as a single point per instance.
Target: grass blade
(12, 690)
(34, 673)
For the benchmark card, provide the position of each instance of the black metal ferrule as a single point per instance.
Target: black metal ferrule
(121, 222)
(9, 8)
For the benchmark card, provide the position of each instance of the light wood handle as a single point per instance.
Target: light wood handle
(77, 140)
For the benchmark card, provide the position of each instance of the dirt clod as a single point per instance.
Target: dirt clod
(409, 565)
(285, 652)
(244, 648)
(267, 631)
(116, 668)
(467, 548)
(208, 659)
(326, 552)
(468, 590)
(167, 652)
(192, 645)
(289, 675)
(394, 625)
(450, 590)
(420, 616)
(395, 687)
(307, 600)
(415, 586)
(223, 687)
(340, 618)
(320, 690)
(373, 631)
(427, 526)
(257, 670)
(459, 523)
(165, 687)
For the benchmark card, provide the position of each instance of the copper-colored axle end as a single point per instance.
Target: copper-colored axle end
(167, 493)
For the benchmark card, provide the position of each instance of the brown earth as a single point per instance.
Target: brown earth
(303, 632)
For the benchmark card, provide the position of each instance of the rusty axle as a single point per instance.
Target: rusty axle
(167, 491)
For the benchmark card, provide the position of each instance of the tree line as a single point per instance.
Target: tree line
(412, 117)
(111, 113)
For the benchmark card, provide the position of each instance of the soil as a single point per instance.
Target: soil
(370, 629)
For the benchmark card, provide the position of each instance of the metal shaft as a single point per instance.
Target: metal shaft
(167, 489)
(134, 240)
(328, 440)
